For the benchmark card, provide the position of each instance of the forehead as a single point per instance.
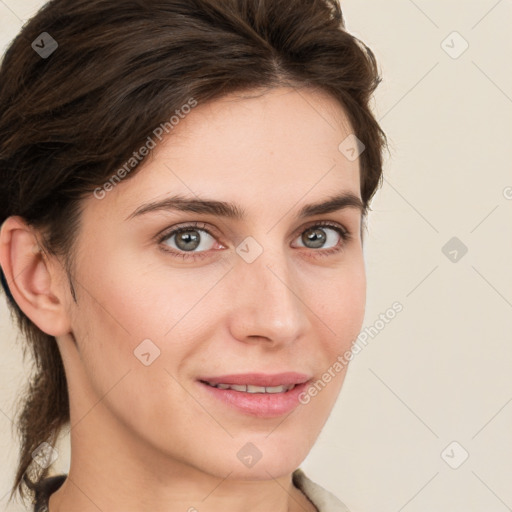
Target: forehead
(277, 121)
(260, 148)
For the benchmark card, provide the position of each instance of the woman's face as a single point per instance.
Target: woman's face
(264, 298)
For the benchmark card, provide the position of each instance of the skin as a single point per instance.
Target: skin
(150, 437)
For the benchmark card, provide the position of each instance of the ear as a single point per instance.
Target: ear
(35, 281)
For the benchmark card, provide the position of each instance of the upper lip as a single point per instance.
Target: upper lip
(259, 379)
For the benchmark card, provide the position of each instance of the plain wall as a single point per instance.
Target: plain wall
(441, 370)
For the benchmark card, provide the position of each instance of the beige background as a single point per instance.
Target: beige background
(441, 370)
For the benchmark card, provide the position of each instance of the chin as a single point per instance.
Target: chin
(262, 456)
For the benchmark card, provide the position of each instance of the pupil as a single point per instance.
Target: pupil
(187, 241)
(317, 236)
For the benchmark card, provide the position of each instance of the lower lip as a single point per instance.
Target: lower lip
(262, 405)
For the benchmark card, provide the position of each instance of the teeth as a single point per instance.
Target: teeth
(238, 387)
(253, 389)
(277, 389)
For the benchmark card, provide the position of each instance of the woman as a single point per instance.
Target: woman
(186, 184)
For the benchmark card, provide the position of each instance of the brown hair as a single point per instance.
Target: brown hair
(70, 118)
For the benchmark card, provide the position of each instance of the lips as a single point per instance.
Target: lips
(257, 394)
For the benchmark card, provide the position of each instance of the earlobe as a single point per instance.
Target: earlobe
(34, 283)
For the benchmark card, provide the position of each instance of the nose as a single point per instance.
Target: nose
(268, 303)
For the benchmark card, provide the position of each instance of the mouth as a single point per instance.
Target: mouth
(260, 395)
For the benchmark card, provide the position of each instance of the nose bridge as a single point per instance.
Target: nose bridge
(268, 302)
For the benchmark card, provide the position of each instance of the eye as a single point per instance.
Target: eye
(324, 235)
(195, 241)
(188, 239)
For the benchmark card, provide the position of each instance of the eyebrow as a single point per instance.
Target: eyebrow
(235, 212)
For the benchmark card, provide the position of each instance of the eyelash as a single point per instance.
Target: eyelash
(344, 235)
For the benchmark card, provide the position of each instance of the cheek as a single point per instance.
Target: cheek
(342, 310)
(125, 303)
(116, 318)
(342, 306)
(133, 300)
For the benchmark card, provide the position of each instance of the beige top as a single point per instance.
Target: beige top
(323, 500)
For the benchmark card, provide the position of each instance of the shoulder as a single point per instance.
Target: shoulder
(323, 500)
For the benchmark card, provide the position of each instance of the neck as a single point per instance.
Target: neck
(113, 470)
